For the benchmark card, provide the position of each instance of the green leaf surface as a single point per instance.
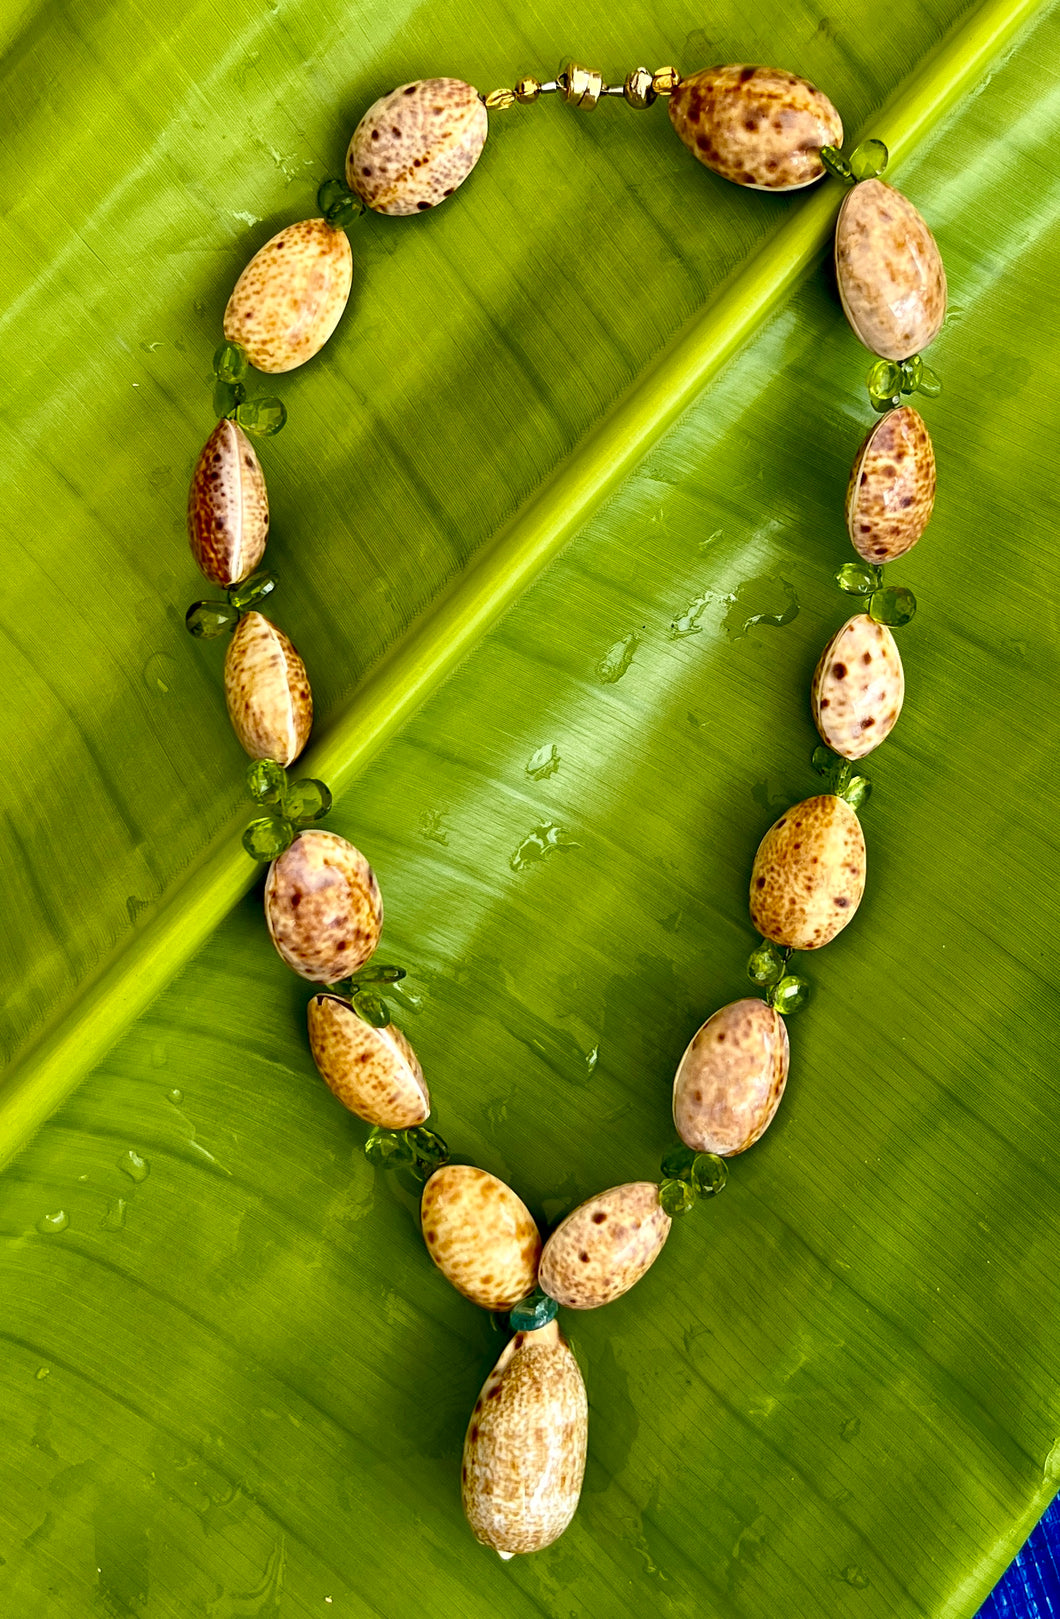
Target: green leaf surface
(555, 515)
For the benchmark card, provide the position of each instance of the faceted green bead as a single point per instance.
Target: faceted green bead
(230, 362)
(331, 192)
(371, 1007)
(343, 213)
(382, 974)
(308, 800)
(930, 384)
(227, 397)
(868, 160)
(912, 374)
(267, 838)
(388, 1148)
(789, 995)
(836, 164)
(266, 781)
(709, 1174)
(893, 605)
(677, 1197)
(841, 776)
(262, 417)
(249, 592)
(884, 383)
(677, 1163)
(535, 1311)
(858, 578)
(205, 620)
(823, 760)
(857, 792)
(766, 964)
(429, 1151)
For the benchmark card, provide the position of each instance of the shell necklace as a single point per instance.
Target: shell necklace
(525, 1449)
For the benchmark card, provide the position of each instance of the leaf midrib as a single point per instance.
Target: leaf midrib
(79, 1036)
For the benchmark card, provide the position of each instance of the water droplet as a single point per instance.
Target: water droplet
(687, 623)
(760, 601)
(82, 1177)
(159, 1055)
(544, 763)
(160, 674)
(539, 843)
(855, 1576)
(1051, 1470)
(114, 1219)
(131, 1164)
(149, 348)
(50, 1223)
(851, 1428)
(42, 1372)
(175, 1096)
(431, 827)
(592, 1058)
(711, 539)
(617, 659)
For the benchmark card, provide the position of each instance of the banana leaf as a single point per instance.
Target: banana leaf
(556, 516)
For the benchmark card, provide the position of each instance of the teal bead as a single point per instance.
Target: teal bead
(388, 1148)
(677, 1163)
(206, 620)
(677, 1198)
(371, 1007)
(836, 164)
(227, 397)
(308, 800)
(893, 605)
(249, 592)
(858, 578)
(267, 838)
(230, 362)
(868, 160)
(262, 417)
(930, 384)
(709, 1174)
(535, 1311)
(766, 964)
(789, 995)
(429, 1151)
(266, 781)
(857, 792)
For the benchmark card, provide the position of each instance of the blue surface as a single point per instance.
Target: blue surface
(1030, 1588)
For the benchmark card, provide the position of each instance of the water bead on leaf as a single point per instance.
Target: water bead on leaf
(790, 995)
(262, 417)
(267, 838)
(677, 1163)
(309, 800)
(766, 964)
(206, 620)
(857, 791)
(868, 160)
(227, 397)
(836, 164)
(249, 592)
(893, 605)
(371, 1007)
(858, 578)
(677, 1197)
(533, 1312)
(709, 1174)
(230, 362)
(266, 781)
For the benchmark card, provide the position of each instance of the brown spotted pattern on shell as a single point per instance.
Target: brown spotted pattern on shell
(291, 295)
(891, 280)
(323, 907)
(524, 1453)
(415, 146)
(267, 691)
(373, 1072)
(858, 687)
(809, 874)
(731, 1078)
(228, 508)
(757, 126)
(892, 487)
(606, 1245)
(481, 1236)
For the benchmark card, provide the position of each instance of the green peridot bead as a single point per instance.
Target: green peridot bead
(823, 760)
(858, 578)
(371, 1007)
(206, 620)
(789, 995)
(331, 192)
(677, 1197)
(308, 800)
(709, 1174)
(677, 1163)
(249, 592)
(388, 1148)
(429, 1151)
(262, 417)
(893, 605)
(766, 964)
(379, 975)
(930, 384)
(344, 213)
(266, 781)
(537, 1310)
(268, 838)
(857, 792)
(230, 362)
(227, 397)
(836, 164)
(868, 160)
(912, 374)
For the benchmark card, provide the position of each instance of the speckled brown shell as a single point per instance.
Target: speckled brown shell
(415, 146)
(291, 295)
(809, 874)
(373, 1072)
(323, 907)
(606, 1245)
(267, 691)
(757, 126)
(731, 1078)
(891, 280)
(858, 687)
(892, 487)
(480, 1235)
(228, 508)
(524, 1454)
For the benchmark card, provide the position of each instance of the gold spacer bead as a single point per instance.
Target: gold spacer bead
(664, 80)
(527, 90)
(580, 86)
(639, 89)
(498, 100)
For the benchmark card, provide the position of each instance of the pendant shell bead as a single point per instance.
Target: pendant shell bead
(858, 688)
(481, 1236)
(413, 147)
(809, 874)
(891, 280)
(291, 296)
(605, 1246)
(892, 487)
(756, 126)
(524, 1453)
(374, 1072)
(228, 508)
(267, 691)
(730, 1081)
(323, 907)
